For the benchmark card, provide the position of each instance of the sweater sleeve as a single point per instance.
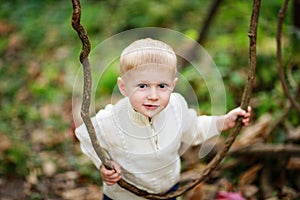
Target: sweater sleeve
(195, 129)
(86, 144)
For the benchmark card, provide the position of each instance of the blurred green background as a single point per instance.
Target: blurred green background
(39, 62)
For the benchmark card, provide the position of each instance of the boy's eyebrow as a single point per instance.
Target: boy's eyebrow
(148, 82)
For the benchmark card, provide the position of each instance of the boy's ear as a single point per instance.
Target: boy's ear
(174, 83)
(121, 86)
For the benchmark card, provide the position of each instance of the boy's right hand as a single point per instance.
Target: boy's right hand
(111, 177)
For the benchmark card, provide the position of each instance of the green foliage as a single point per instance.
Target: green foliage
(39, 60)
(15, 160)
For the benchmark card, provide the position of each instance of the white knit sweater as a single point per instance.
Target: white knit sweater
(147, 151)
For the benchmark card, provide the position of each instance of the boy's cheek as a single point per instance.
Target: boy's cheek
(133, 93)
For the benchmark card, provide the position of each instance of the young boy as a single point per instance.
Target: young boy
(146, 132)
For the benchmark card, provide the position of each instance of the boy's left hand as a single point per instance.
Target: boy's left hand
(230, 118)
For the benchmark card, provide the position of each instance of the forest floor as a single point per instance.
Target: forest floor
(244, 174)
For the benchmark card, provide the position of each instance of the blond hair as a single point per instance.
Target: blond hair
(147, 51)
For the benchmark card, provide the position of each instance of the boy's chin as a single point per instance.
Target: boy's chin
(151, 114)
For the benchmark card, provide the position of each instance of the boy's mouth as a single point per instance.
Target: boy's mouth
(151, 107)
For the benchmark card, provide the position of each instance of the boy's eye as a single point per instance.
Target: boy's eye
(142, 85)
(162, 85)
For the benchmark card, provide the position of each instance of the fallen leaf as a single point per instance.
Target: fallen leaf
(5, 143)
(229, 196)
(250, 191)
(249, 176)
(292, 132)
(32, 177)
(294, 163)
(202, 191)
(15, 43)
(289, 193)
(88, 193)
(49, 168)
(5, 28)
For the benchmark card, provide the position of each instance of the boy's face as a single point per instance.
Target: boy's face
(148, 89)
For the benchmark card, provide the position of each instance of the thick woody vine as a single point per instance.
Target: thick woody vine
(191, 181)
(284, 84)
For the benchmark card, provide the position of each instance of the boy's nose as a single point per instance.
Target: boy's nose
(153, 95)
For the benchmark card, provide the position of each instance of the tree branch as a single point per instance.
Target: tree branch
(202, 33)
(208, 20)
(279, 58)
(261, 149)
(284, 112)
(246, 94)
(85, 106)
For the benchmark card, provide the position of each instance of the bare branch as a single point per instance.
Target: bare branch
(261, 149)
(202, 33)
(86, 47)
(247, 90)
(208, 20)
(284, 113)
(279, 58)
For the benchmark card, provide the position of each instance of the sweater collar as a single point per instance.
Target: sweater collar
(137, 117)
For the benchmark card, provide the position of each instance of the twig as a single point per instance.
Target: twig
(284, 113)
(208, 19)
(267, 150)
(247, 90)
(202, 33)
(265, 184)
(279, 58)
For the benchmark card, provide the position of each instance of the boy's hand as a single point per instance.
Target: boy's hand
(111, 177)
(230, 118)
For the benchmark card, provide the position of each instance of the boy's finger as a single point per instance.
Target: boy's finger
(117, 167)
(249, 109)
(108, 172)
(111, 181)
(114, 175)
(245, 121)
